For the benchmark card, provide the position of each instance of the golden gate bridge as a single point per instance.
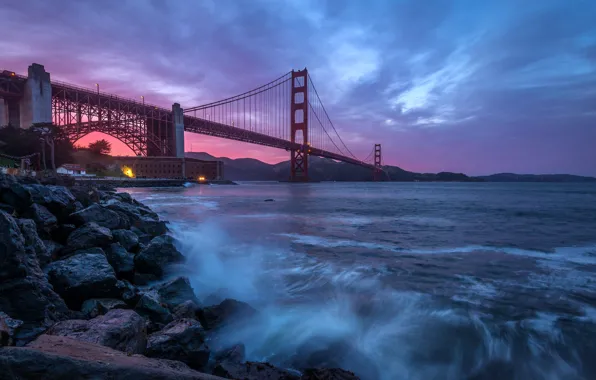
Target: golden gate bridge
(286, 113)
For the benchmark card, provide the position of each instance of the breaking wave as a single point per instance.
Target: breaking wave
(315, 312)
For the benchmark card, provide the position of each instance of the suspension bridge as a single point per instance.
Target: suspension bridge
(286, 113)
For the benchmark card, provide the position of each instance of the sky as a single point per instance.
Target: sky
(468, 86)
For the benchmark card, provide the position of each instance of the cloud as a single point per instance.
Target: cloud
(444, 85)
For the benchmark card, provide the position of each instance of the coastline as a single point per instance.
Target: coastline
(88, 289)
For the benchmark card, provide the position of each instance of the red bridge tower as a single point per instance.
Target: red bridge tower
(378, 170)
(299, 123)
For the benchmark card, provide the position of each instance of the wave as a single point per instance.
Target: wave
(317, 313)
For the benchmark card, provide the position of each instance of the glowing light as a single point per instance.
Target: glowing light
(127, 171)
(12, 74)
(201, 178)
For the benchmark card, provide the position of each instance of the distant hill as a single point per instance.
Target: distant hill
(320, 169)
(511, 177)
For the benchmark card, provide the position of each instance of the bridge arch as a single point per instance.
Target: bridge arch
(135, 141)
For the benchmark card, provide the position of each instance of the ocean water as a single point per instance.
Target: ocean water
(400, 280)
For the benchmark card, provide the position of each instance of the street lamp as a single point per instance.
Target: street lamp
(143, 98)
(97, 85)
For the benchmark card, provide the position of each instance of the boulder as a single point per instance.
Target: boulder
(144, 278)
(8, 327)
(32, 240)
(324, 352)
(88, 236)
(120, 259)
(57, 358)
(128, 293)
(122, 330)
(124, 197)
(176, 291)
(182, 340)
(100, 306)
(17, 196)
(157, 256)
(150, 226)
(150, 306)
(53, 249)
(84, 275)
(328, 374)
(43, 218)
(61, 233)
(252, 371)
(57, 199)
(85, 194)
(227, 312)
(127, 239)
(102, 216)
(130, 211)
(25, 292)
(187, 309)
(234, 354)
(7, 208)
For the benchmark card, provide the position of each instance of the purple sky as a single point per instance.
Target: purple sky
(469, 86)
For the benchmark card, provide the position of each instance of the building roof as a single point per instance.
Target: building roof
(72, 167)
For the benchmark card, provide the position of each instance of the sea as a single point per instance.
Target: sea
(399, 280)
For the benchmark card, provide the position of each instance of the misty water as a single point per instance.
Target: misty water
(400, 280)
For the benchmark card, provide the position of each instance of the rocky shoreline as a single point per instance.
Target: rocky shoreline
(87, 290)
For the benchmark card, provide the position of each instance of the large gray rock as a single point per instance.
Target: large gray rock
(57, 199)
(100, 306)
(124, 197)
(58, 358)
(234, 354)
(187, 309)
(227, 312)
(157, 256)
(32, 240)
(8, 327)
(102, 216)
(16, 195)
(88, 236)
(82, 276)
(43, 218)
(53, 249)
(122, 330)
(176, 291)
(128, 293)
(120, 259)
(151, 307)
(252, 371)
(25, 293)
(328, 374)
(182, 340)
(85, 194)
(61, 233)
(128, 239)
(151, 226)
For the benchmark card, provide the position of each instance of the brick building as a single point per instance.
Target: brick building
(170, 167)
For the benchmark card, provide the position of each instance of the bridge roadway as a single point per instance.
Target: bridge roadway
(12, 85)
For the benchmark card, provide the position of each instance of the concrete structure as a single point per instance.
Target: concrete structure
(178, 121)
(36, 103)
(170, 167)
(3, 112)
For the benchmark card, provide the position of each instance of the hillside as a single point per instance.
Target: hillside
(320, 169)
(511, 177)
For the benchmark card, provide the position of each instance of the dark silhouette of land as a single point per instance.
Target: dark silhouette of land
(322, 169)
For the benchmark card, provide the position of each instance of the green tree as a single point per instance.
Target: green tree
(38, 139)
(100, 147)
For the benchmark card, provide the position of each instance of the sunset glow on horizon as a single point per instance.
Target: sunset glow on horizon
(471, 87)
